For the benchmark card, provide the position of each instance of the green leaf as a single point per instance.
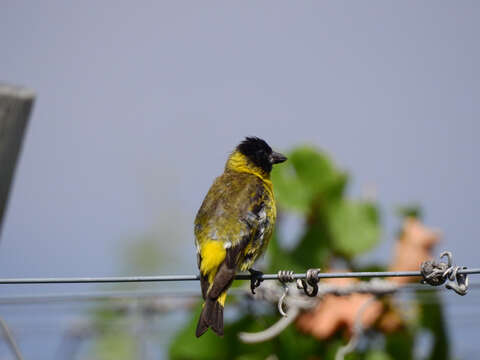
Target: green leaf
(210, 346)
(354, 227)
(313, 168)
(279, 258)
(377, 355)
(409, 210)
(187, 346)
(313, 249)
(400, 344)
(290, 193)
(308, 175)
(115, 345)
(290, 344)
(432, 318)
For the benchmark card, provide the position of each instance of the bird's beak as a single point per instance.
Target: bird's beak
(277, 158)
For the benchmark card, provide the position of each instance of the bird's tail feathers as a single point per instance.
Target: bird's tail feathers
(211, 317)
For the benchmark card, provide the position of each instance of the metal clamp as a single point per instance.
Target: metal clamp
(436, 273)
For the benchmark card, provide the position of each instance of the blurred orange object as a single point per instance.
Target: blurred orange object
(336, 312)
(414, 246)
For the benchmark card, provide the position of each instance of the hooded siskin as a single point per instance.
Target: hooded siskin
(234, 225)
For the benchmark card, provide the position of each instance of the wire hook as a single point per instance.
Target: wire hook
(449, 257)
(457, 282)
(312, 280)
(281, 300)
(284, 276)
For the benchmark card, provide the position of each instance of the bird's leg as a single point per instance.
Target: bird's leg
(255, 279)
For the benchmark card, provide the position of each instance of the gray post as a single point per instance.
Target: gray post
(15, 106)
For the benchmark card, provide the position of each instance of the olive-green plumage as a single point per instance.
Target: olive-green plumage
(234, 224)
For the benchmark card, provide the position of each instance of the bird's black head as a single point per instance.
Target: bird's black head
(259, 153)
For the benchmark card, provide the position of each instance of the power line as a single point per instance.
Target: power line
(161, 278)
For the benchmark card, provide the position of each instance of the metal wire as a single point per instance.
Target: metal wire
(114, 295)
(125, 279)
(97, 296)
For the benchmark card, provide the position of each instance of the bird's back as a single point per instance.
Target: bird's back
(238, 207)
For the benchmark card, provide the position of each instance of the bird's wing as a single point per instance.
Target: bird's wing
(233, 208)
(233, 216)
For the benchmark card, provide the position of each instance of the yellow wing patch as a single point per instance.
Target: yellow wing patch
(212, 253)
(221, 299)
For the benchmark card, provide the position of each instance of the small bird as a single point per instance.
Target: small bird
(234, 225)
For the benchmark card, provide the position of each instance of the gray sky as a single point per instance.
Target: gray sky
(139, 104)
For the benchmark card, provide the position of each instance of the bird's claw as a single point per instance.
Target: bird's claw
(255, 280)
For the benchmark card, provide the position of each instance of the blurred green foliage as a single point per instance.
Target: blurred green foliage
(114, 341)
(120, 326)
(334, 227)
